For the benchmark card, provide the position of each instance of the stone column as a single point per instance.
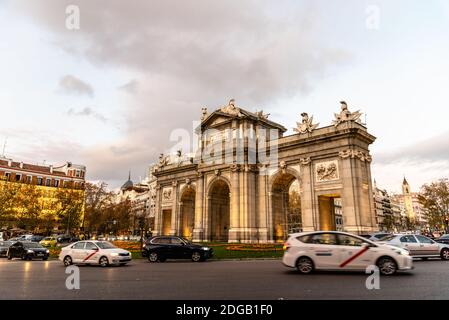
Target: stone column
(262, 202)
(198, 229)
(234, 234)
(307, 196)
(158, 213)
(349, 199)
(174, 211)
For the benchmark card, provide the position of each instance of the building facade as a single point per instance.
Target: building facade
(412, 206)
(237, 186)
(48, 179)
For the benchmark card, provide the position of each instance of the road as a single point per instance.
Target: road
(262, 279)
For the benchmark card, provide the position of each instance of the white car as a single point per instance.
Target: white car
(333, 250)
(418, 246)
(94, 252)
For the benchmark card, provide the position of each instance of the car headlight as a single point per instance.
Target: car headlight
(114, 254)
(30, 251)
(205, 248)
(47, 251)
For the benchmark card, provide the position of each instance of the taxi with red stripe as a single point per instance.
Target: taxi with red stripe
(102, 253)
(335, 250)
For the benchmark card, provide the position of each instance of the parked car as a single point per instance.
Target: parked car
(94, 252)
(27, 251)
(418, 246)
(160, 248)
(66, 238)
(334, 250)
(443, 239)
(4, 245)
(49, 242)
(25, 237)
(36, 238)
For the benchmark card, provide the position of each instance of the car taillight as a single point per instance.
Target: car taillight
(286, 246)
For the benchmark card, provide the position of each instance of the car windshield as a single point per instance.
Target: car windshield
(105, 245)
(48, 238)
(387, 237)
(31, 245)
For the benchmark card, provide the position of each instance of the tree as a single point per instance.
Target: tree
(434, 198)
(97, 201)
(8, 196)
(70, 207)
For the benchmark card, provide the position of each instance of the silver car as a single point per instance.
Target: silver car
(418, 246)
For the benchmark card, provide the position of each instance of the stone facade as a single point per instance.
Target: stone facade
(235, 189)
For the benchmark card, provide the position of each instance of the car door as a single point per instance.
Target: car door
(15, 250)
(410, 243)
(324, 250)
(161, 245)
(90, 252)
(427, 247)
(178, 249)
(77, 251)
(355, 253)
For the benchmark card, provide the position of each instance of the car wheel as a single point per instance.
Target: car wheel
(9, 257)
(67, 261)
(196, 256)
(104, 262)
(153, 257)
(445, 254)
(24, 257)
(304, 265)
(387, 266)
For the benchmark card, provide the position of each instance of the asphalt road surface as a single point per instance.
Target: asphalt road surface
(256, 279)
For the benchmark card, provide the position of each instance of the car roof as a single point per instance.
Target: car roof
(321, 231)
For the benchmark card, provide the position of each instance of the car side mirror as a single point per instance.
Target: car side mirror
(367, 245)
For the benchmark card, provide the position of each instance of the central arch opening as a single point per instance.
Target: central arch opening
(187, 213)
(219, 211)
(286, 206)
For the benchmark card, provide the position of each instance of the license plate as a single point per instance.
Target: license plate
(40, 254)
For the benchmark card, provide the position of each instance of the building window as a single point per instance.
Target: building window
(7, 175)
(39, 181)
(78, 173)
(29, 179)
(56, 183)
(48, 182)
(18, 177)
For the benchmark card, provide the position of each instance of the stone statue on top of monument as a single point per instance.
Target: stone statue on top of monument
(231, 109)
(306, 125)
(346, 115)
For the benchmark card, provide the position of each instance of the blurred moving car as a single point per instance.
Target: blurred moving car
(334, 250)
(94, 252)
(4, 245)
(49, 242)
(27, 251)
(160, 248)
(418, 246)
(443, 239)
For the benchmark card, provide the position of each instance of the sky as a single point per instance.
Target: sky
(110, 93)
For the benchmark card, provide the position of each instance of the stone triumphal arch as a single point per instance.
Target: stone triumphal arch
(248, 182)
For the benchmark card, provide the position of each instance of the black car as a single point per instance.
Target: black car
(443, 239)
(66, 238)
(160, 248)
(4, 246)
(36, 238)
(27, 251)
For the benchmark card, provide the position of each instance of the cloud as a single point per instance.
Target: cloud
(87, 112)
(130, 87)
(433, 149)
(72, 85)
(185, 55)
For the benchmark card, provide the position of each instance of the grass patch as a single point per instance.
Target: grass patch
(221, 250)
